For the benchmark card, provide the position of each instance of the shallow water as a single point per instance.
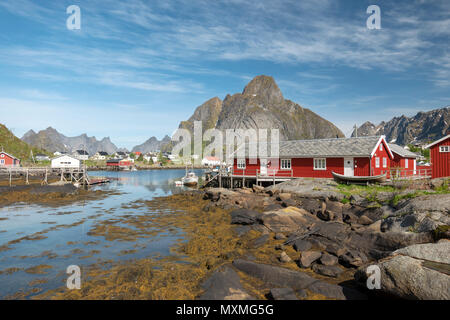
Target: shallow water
(61, 235)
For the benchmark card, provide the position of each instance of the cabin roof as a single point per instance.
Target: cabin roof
(336, 147)
(438, 141)
(9, 155)
(402, 151)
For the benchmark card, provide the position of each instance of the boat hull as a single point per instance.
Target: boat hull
(359, 180)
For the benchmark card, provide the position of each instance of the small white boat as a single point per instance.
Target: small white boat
(178, 183)
(190, 179)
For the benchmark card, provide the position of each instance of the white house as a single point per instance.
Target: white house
(81, 155)
(42, 157)
(101, 155)
(66, 162)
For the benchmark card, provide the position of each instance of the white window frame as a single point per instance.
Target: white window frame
(241, 163)
(381, 147)
(320, 163)
(377, 162)
(2, 161)
(444, 148)
(406, 163)
(384, 162)
(284, 166)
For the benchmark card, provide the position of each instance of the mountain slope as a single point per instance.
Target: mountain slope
(262, 106)
(424, 127)
(151, 145)
(14, 146)
(52, 141)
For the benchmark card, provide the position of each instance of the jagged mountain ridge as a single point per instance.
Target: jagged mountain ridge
(51, 140)
(261, 105)
(15, 146)
(422, 128)
(152, 145)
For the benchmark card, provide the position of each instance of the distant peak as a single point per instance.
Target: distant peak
(263, 86)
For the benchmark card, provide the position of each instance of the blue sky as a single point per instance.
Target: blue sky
(137, 68)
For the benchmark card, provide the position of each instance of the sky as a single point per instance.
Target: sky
(136, 68)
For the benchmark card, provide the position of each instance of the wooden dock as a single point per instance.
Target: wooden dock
(78, 176)
(230, 179)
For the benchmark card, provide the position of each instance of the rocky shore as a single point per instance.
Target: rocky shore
(323, 237)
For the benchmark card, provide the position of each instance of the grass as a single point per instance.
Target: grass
(16, 147)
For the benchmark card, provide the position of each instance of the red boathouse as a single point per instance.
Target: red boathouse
(404, 163)
(362, 156)
(7, 160)
(440, 157)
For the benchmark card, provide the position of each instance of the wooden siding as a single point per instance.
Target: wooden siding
(380, 154)
(440, 161)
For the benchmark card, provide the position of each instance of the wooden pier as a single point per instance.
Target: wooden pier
(231, 179)
(78, 176)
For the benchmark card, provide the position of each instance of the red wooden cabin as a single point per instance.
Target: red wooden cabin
(440, 157)
(7, 160)
(362, 156)
(404, 163)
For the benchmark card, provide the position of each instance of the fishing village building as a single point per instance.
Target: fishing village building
(8, 160)
(362, 156)
(440, 157)
(404, 163)
(66, 162)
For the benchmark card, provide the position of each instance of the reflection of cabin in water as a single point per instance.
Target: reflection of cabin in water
(118, 164)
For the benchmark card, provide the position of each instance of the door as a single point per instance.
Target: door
(263, 167)
(349, 169)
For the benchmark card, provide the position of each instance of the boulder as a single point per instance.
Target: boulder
(288, 220)
(302, 245)
(289, 203)
(259, 242)
(416, 272)
(308, 257)
(257, 188)
(244, 216)
(364, 220)
(224, 284)
(282, 294)
(298, 281)
(352, 259)
(335, 249)
(273, 207)
(328, 260)
(328, 271)
(284, 257)
(284, 196)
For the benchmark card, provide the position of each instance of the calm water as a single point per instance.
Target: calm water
(71, 245)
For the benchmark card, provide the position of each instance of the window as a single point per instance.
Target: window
(444, 149)
(2, 161)
(320, 164)
(3, 155)
(406, 163)
(384, 162)
(377, 162)
(285, 164)
(381, 147)
(241, 163)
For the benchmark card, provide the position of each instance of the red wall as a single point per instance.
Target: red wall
(362, 167)
(400, 163)
(440, 161)
(8, 160)
(381, 154)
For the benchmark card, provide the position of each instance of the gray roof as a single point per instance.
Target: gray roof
(402, 151)
(336, 147)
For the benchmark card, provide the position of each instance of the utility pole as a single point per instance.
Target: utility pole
(356, 130)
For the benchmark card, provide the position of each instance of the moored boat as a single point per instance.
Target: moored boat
(359, 179)
(190, 179)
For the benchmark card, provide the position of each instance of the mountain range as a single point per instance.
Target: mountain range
(152, 145)
(14, 146)
(422, 128)
(52, 141)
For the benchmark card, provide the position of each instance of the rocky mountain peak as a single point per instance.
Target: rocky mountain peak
(264, 87)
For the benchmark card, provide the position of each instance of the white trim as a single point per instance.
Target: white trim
(382, 138)
(406, 163)
(384, 162)
(281, 164)
(319, 168)
(442, 149)
(438, 141)
(239, 164)
(377, 162)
